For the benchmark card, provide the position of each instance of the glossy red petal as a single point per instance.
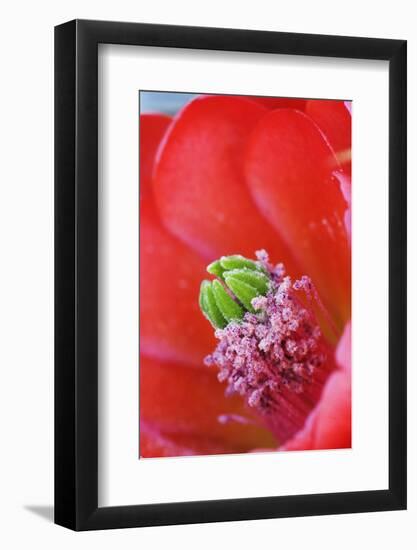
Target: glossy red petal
(330, 426)
(289, 168)
(281, 102)
(346, 187)
(186, 405)
(171, 324)
(335, 121)
(151, 130)
(154, 444)
(199, 184)
(344, 349)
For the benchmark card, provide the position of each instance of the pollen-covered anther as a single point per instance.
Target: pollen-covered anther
(274, 352)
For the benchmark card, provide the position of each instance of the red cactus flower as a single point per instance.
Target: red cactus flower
(229, 176)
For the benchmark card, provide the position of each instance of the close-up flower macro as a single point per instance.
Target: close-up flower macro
(245, 274)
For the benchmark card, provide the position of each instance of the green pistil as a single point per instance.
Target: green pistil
(229, 300)
(216, 268)
(209, 306)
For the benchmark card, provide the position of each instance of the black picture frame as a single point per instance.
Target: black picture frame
(76, 272)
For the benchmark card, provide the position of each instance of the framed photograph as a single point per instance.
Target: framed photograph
(230, 248)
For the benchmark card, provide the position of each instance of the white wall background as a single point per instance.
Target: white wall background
(26, 287)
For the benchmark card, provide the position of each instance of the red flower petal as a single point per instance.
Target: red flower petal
(346, 187)
(171, 324)
(344, 349)
(329, 425)
(199, 185)
(152, 129)
(154, 444)
(281, 102)
(289, 168)
(186, 406)
(335, 121)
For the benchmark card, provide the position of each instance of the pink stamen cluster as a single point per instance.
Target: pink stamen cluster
(276, 348)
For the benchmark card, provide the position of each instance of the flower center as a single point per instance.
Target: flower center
(273, 354)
